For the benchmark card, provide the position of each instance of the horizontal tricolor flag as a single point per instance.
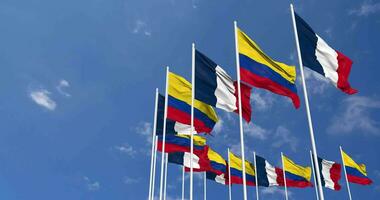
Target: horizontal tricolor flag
(215, 87)
(200, 160)
(180, 143)
(356, 173)
(296, 175)
(259, 70)
(320, 57)
(217, 163)
(267, 175)
(331, 173)
(236, 171)
(179, 106)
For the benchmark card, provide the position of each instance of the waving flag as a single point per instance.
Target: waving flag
(200, 159)
(179, 106)
(215, 87)
(330, 173)
(221, 178)
(180, 143)
(267, 175)
(259, 70)
(320, 57)
(218, 168)
(356, 173)
(237, 171)
(296, 175)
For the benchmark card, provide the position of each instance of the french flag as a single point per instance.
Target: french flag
(216, 88)
(267, 175)
(320, 57)
(200, 161)
(331, 173)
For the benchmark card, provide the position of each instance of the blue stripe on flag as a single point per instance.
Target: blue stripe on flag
(205, 79)
(261, 173)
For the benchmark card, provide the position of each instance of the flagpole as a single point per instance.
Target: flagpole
(183, 182)
(192, 118)
(315, 180)
(164, 132)
(283, 171)
(166, 174)
(154, 166)
(240, 112)
(204, 186)
(153, 144)
(345, 173)
(229, 176)
(314, 148)
(256, 178)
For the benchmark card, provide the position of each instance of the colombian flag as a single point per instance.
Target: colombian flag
(179, 106)
(296, 175)
(236, 168)
(180, 143)
(259, 70)
(356, 173)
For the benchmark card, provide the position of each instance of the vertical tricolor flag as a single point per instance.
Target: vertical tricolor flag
(356, 173)
(259, 70)
(179, 106)
(236, 171)
(296, 175)
(331, 173)
(267, 174)
(215, 87)
(320, 57)
(200, 160)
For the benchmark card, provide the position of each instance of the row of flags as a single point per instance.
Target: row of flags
(190, 111)
(229, 171)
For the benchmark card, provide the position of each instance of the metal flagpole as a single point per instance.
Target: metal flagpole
(283, 171)
(345, 173)
(153, 145)
(315, 179)
(166, 174)
(256, 178)
(192, 118)
(240, 111)
(154, 166)
(164, 132)
(314, 148)
(229, 175)
(204, 186)
(183, 182)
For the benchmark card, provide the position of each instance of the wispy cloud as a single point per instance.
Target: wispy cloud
(126, 149)
(283, 136)
(262, 100)
(91, 185)
(316, 83)
(356, 115)
(130, 180)
(365, 9)
(274, 190)
(61, 86)
(145, 129)
(140, 27)
(42, 98)
(256, 131)
(218, 126)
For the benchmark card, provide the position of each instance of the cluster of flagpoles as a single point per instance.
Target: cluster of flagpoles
(164, 156)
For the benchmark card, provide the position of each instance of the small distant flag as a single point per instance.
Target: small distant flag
(331, 173)
(237, 171)
(200, 160)
(215, 87)
(180, 143)
(221, 178)
(179, 106)
(267, 175)
(356, 173)
(218, 168)
(320, 57)
(296, 175)
(259, 70)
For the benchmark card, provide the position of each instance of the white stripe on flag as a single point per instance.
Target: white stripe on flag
(184, 129)
(271, 174)
(225, 91)
(326, 167)
(186, 160)
(328, 58)
(220, 179)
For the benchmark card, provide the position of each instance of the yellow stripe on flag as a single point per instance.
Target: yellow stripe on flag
(213, 156)
(198, 140)
(349, 162)
(299, 170)
(236, 163)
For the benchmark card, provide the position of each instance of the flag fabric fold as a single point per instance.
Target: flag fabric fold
(180, 143)
(179, 106)
(296, 175)
(318, 56)
(356, 173)
(236, 168)
(214, 86)
(331, 173)
(200, 160)
(267, 175)
(259, 70)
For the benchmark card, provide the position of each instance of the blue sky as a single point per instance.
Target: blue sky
(78, 79)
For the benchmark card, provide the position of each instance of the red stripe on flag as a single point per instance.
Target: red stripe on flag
(344, 68)
(359, 180)
(185, 118)
(335, 175)
(245, 100)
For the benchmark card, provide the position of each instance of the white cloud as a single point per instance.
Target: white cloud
(356, 115)
(145, 129)
(130, 180)
(255, 131)
(365, 9)
(283, 137)
(126, 149)
(316, 83)
(274, 190)
(91, 185)
(41, 97)
(141, 27)
(218, 126)
(262, 100)
(60, 87)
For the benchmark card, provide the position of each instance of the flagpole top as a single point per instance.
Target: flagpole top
(156, 90)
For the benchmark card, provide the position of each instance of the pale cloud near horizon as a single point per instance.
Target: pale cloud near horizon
(274, 190)
(356, 115)
(365, 9)
(41, 97)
